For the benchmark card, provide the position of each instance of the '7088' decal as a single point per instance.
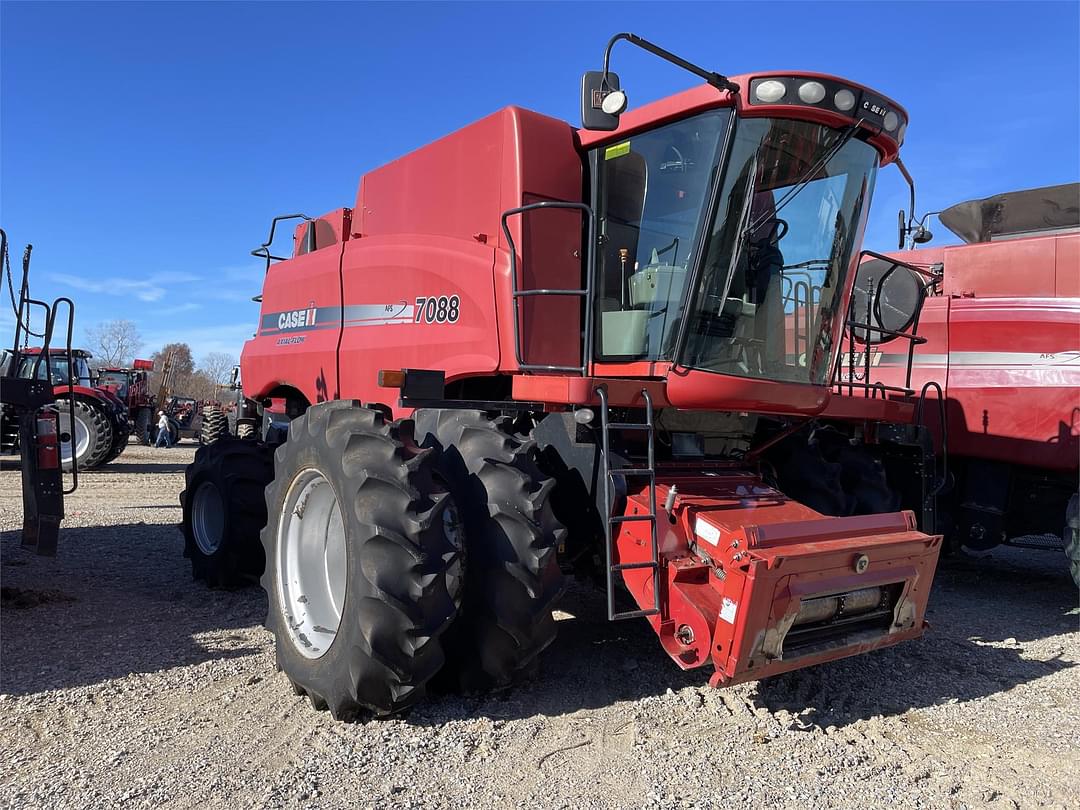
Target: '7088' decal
(437, 309)
(428, 309)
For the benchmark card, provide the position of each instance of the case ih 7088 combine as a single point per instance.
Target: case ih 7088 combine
(529, 351)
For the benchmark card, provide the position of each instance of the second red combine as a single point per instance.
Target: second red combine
(530, 351)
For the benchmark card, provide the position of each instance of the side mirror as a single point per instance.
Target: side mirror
(888, 295)
(601, 101)
(901, 229)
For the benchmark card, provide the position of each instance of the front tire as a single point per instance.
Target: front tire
(224, 511)
(512, 535)
(364, 561)
(1071, 537)
(142, 425)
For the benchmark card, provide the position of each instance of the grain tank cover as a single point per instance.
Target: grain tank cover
(1033, 212)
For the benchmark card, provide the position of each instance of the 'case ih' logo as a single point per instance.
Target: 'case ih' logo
(297, 318)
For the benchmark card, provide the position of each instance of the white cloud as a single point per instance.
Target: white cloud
(150, 288)
(187, 306)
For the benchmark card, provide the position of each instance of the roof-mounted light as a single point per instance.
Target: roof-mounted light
(811, 92)
(844, 100)
(866, 106)
(770, 91)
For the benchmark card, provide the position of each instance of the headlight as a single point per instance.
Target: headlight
(844, 100)
(891, 120)
(770, 91)
(811, 92)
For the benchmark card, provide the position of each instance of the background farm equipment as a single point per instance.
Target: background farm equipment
(41, 422)
(1001, 351)
(530, 351)
(99, 428)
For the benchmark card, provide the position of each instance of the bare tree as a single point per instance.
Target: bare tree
(217, 366)
(182, 367)
(113, 343)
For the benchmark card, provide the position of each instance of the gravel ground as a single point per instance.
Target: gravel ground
(126, 684)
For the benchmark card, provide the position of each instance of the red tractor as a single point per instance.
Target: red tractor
(100, 429)
(29, 413)
(1001, 324)
(132, 387)
(529, 351)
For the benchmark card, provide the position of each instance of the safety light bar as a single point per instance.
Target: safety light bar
(854, 102)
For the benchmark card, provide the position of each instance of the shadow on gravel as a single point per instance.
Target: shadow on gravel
(980, 613)
(116, 600)
(594, 663)
(136, 467)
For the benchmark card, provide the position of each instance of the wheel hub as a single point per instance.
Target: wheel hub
(79, 437)
(208, 518)
(311, 563)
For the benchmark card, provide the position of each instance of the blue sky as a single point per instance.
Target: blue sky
(145, 147)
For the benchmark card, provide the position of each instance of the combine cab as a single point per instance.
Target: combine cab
(530, 351)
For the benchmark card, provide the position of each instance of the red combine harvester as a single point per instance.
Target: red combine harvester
(1001, 323)
(530, 350)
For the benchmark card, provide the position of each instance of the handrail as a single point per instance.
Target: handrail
(586, 292)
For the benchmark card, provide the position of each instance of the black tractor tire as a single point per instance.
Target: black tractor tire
(143, 421)
(215, 425)
(94, 424)
(1071, 537)
(805, 475)
(120, 443)
(512, 538)
(863, 478)
(400, 559)
(224, 511)
(246, 429)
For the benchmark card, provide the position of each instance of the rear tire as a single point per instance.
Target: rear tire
(215, 425)
(512, 537)
(224, 511)
(91, 436)
(362, 591)
(119, 444)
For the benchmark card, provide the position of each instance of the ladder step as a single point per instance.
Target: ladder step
(632, 471)
(634, 566)
(628, 426)
(633, 614)
(631, 518)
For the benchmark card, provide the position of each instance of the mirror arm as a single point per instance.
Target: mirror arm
(911, 185)
(715, 79)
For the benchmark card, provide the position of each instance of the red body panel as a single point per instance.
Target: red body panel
(1004, 344)
(739, 558)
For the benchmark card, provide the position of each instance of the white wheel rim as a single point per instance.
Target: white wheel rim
(81, 437)
(311, 563)
(208, 518)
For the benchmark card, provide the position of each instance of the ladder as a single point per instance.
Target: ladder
(612, 521)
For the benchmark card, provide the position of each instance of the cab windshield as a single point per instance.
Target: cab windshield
(777, 248)
(117, 378)
(57, 369)
(779, 252)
